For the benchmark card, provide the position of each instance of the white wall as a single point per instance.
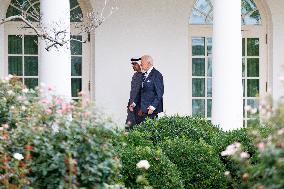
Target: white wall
(158, 28)
(277, 14)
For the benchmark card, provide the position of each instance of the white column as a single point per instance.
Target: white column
(55, 64)
(227, 103)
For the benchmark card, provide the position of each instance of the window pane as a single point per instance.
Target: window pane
(252, 46)
(209, 46)
(76, 86)
(244, 87)
(25, 6)
(198, 87)
(202, 12)
(76, 15)
(76, 66)
(31, 65)
(204, 6)
(12, 11)
(14, 44)
(198, 67)
(209, 108)
(31, 82)
(247, 6)
(209, 87)
(209, 71)
(243, 47)
(73, 3)
(253, 103)
(31, 44)
(198, 46)
(253, 19)
(253, 87)
(253, 67)
(198, 107)
(253, 122)
(244, 67)
(196, 18)
(15, 65)
(76, 46)
(244, 111)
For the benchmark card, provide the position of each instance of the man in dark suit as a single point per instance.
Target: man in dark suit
(152, 90)
(135, 97)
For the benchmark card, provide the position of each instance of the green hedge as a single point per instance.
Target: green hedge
(198, 163)
(161, 174)
(192, 128)
(194, 146)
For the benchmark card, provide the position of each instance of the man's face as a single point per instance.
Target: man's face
(136, 67)
(144, 64)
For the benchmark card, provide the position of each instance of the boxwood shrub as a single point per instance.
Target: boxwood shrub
(193, 128)
(198, 163)
(162, 173)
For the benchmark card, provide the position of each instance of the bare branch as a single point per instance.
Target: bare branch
(30, 16)
(39, 33)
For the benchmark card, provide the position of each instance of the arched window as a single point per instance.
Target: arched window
(202, 13)
(254, 53)
(31, 9)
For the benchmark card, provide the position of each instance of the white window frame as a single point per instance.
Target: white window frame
(248, 31)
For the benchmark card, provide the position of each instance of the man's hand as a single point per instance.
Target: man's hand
(131, 107)
(150, 109)
(140, 113)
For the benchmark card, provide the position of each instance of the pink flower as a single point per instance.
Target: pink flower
(6, 126)
(261, 146)
(50, 88)
(59, 111)
(87, 114)
(66, 107)
(82, 93)
(44, 101)
(280, 131)
(48, 111)
(58, 101)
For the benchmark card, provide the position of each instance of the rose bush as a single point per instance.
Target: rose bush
(47, 142)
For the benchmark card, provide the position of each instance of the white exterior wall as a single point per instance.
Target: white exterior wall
(158, 28)
(277, 56)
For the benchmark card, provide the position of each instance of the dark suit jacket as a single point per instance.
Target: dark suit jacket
(135, 96)
(152, 92)
(135, 92)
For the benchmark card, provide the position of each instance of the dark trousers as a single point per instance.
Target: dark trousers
(132, 119)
